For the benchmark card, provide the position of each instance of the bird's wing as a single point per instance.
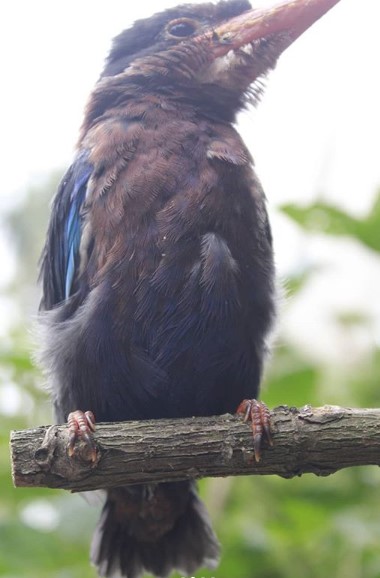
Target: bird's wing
(60, 259)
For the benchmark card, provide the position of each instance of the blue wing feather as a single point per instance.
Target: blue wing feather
(73, 230)
(61, 254)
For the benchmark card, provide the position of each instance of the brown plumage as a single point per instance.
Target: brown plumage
(158, 275)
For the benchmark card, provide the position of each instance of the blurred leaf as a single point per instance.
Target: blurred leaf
(352, 318)
(324, 218)
(290, 380)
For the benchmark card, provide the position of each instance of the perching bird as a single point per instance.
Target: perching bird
(158, 276)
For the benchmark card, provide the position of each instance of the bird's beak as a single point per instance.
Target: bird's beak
(289, 18)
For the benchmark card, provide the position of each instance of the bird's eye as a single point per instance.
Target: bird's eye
(182, 27)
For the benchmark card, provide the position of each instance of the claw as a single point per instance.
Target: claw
(259, 415)
(81, 425)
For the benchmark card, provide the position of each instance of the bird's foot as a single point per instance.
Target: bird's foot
(81, 426)
(259, 415)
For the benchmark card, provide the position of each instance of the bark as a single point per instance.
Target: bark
(317, 440)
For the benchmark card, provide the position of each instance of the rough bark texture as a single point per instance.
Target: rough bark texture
(318, 440)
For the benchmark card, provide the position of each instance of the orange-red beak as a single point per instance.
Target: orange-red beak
(289, 17)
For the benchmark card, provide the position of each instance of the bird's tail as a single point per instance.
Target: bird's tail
(155, 528)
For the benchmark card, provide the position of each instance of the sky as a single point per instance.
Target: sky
(315, 134)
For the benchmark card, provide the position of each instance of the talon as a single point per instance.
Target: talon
(90, 420)
(259, 415)
(81, 425)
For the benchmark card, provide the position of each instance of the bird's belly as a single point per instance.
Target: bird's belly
(190, 337)
(178, 335)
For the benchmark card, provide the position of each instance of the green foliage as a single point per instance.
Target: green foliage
(43, 533)
(269, 527)
(324, 218)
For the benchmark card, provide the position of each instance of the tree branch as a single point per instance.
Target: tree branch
(318, 440)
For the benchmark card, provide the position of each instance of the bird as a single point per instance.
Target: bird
(158, 277)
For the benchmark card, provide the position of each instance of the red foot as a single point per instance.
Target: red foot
(81, 425)
(258, 414)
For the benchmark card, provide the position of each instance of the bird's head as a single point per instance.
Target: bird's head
(213, 55)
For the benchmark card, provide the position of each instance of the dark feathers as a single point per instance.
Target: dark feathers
(158, 270)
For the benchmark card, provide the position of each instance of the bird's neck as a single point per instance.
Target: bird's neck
(113, 96)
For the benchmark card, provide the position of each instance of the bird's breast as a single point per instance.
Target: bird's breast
(178, 231)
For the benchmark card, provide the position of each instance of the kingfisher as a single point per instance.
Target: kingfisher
(158, 271)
